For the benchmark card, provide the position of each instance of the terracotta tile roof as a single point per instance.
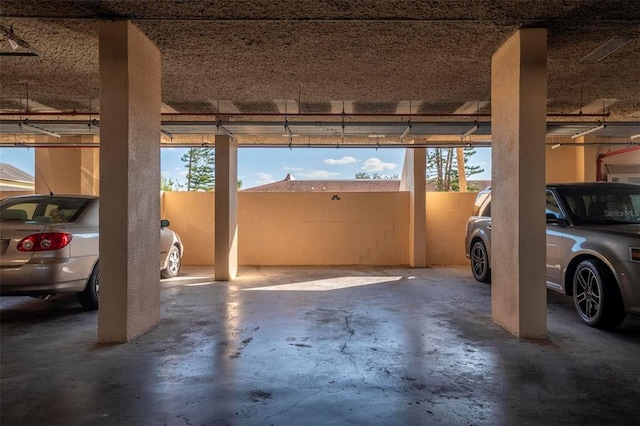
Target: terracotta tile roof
(354, 185)
(290, 184)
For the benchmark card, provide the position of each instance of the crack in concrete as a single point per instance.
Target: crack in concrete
(350, 330)
(284, 410)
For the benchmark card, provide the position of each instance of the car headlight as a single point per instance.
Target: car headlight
(635, 254)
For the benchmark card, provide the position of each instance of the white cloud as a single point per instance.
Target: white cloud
(293, 169)
(183, 173)
(340, 161)
(264, 178)
(377, 165)
(318, 174)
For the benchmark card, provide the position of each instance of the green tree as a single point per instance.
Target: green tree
(200, 164)
(442, 168)
(169, 184)
(364, 175)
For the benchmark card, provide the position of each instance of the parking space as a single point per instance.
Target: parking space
(339, 345)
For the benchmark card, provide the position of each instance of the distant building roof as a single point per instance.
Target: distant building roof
(473, 185)
(9, 172)
(290, 184)
(14, 179)
(479, 185)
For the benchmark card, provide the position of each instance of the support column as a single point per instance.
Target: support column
(129, 182)
(589, 160)
(462, 176)
(414, 180)
(518, 105)
(67, 170)
(226, 209)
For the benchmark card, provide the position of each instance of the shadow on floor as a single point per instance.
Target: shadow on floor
(316, 346)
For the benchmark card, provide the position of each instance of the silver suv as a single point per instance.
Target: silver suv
(593, 247)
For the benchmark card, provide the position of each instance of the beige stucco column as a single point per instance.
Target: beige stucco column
(572, 160)
(129, 182)
(588, 158)
(518, 108)
(226, 209)
(414, 175)
(67, 170)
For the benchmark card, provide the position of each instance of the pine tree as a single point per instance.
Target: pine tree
(442, 168)
(169, 184)
(200, 164)
(364, 175)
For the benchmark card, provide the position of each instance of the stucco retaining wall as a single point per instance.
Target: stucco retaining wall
(317, 229)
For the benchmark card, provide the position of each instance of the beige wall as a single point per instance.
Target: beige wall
(565, 164)
(5, 194)
(575, 163)
(447, 214)
(68, 170)
(192, 216)
(313, 229)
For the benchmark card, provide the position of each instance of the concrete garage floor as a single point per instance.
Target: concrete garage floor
(316, 346)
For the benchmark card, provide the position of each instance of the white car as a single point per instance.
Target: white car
(49, 245)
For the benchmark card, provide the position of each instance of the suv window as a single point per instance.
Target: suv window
(485, 209)
(482, 205)
(552, 205)
(603, 204)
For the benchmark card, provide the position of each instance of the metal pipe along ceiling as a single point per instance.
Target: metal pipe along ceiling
(441, 144)
(282, 114)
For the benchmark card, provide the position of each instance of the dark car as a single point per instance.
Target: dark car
(593, 247)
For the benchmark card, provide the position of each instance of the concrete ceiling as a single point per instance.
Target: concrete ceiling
(356, 56)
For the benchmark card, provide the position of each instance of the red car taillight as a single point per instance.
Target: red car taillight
(45, 242)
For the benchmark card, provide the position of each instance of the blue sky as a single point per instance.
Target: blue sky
(258, 166)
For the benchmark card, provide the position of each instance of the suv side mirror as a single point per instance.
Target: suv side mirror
(552, 218)
(164, 223)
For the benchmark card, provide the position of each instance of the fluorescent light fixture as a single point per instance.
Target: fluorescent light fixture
(406, 132)
(288, 131)
(635, 136)
(16, 42)
(20, 54)
(558, 145)
(39, 130)
(469, 132)
(222, 129)
(167, 134)
(471, 107)
(606, 49)
(586, 132)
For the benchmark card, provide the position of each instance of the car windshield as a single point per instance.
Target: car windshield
(603, 205)
(41, 209)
